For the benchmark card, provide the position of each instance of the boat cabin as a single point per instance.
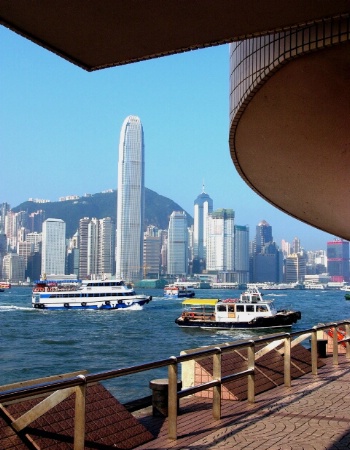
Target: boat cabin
(237, 310)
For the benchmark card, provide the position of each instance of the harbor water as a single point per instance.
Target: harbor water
(38, 343)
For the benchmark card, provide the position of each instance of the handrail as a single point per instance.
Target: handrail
(80, 383)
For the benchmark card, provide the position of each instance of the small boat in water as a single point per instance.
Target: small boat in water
(86, 294)
(4, 285)
(248, 311)
(177, 291)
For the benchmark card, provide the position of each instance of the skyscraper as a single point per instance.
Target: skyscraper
(131, 200)
(242, 253)
(338, 259)
(203, 205)
(220, 241)
(177, 244)
(53, 247)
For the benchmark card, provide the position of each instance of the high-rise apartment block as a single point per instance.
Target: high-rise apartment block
(96, 247)
(53, 247)
(131, 200)
(177, 251)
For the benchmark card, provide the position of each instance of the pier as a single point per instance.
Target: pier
(271, 392)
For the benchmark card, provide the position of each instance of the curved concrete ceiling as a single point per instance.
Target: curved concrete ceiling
(292, 143)
(97, 34)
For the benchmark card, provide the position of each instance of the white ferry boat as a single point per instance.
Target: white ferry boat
(248, 311)
(178, 291)
(86, 294)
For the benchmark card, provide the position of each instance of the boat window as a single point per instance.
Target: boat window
(262, 308)
(221, 308)
(240, 308)
(250, 308)
(231, 308)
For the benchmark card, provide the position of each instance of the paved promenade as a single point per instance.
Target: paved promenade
(313, 414)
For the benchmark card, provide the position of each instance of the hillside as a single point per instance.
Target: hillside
(100, 205)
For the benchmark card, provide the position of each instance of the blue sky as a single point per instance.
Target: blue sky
(60, 125)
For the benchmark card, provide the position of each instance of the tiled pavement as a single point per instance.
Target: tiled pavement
(313, 414)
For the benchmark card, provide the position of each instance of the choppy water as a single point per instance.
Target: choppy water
(37, 343)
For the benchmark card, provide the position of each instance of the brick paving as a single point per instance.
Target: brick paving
(313, 414)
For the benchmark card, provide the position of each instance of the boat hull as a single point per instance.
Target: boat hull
(73, 303)
(280, 320)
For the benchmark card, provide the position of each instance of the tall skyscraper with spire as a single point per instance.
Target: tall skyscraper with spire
(203, 206)
(131, 200)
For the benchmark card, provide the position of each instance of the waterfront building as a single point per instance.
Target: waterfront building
(13, 268)
(338, 259)
(220, 241)
(177, 251)
(241, 253)
(151, 252)
(295, 268)
(130, 200)
(203, 206)
(53, 247)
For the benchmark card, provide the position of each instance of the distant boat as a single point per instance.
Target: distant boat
(177, 291)
(86, 294)
(5, 285)
(248, 311)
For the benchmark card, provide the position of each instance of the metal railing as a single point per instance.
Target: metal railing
(284, 342)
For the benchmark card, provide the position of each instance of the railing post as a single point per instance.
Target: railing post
(79, 419)
(335, 345)
(287, 352)
(251, 377)
(314, 351)
(347, 336)
(172, 399)
(217, 389)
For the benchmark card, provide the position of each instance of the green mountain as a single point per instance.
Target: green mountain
(157, 209)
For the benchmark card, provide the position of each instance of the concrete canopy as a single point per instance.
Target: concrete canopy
(96, 34)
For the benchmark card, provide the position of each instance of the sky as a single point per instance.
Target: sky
(60, 127)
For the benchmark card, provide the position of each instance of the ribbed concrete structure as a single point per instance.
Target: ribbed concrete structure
(289, 122)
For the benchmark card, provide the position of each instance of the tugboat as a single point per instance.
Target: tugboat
(248, 311)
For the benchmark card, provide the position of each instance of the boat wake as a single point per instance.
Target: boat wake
(6, 308)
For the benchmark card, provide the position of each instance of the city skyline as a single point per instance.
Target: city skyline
(58, 117)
